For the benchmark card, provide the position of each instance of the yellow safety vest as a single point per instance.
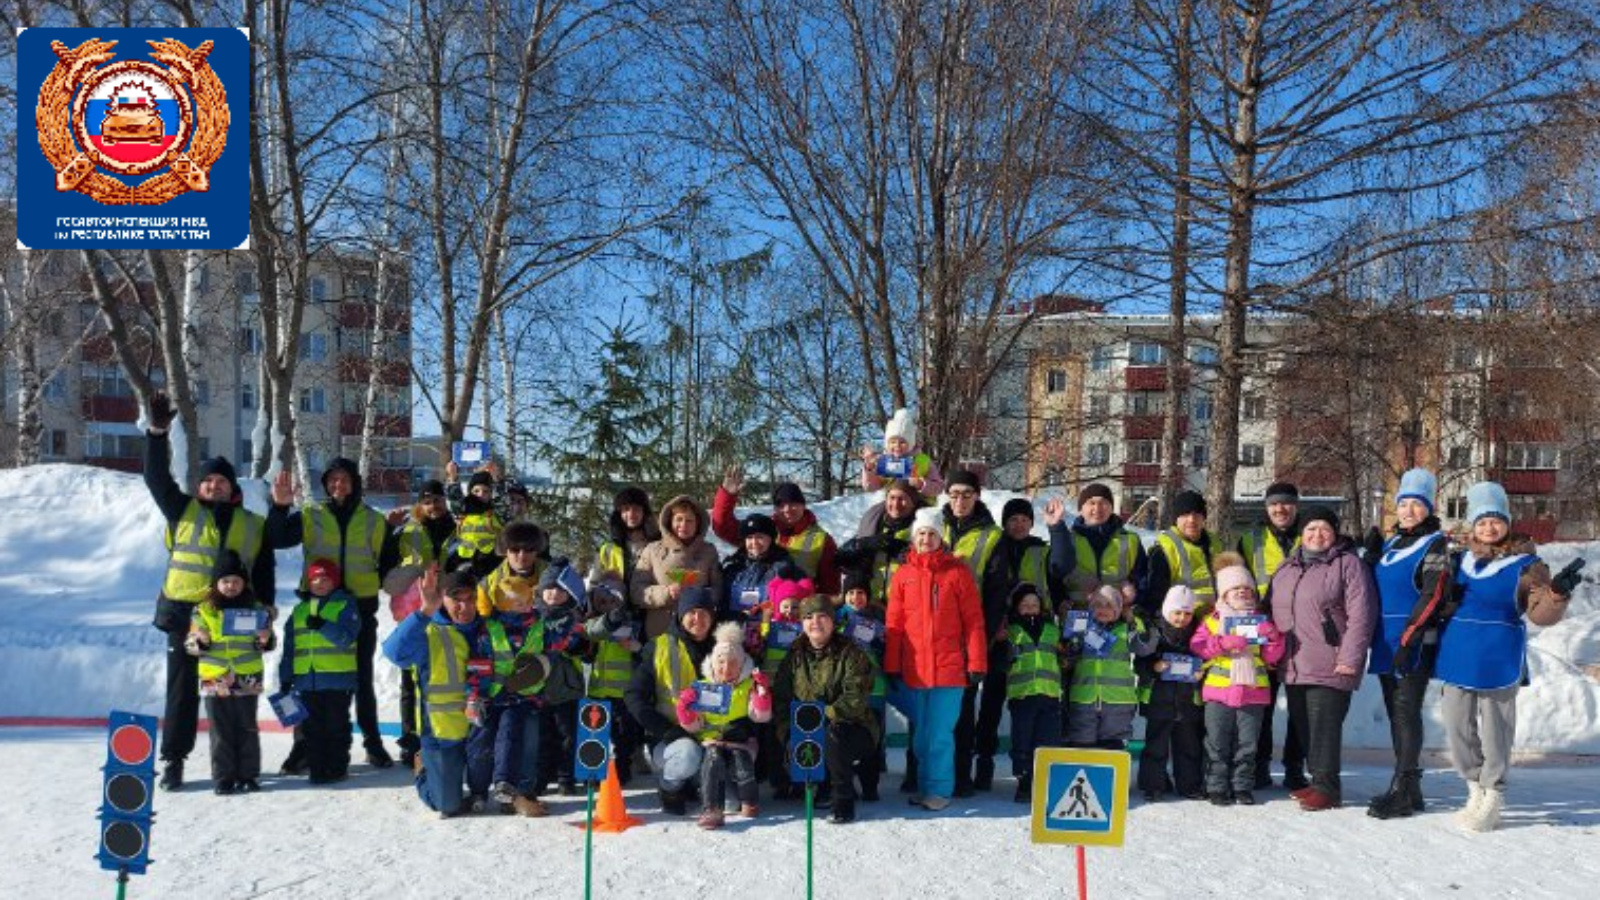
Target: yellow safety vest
(1035, 569)
(805, 549)
(612, 558)
(974, 548)
(1265, 555)
(1219, 668)
(445, 693)
(674, 672)
(611, 671)
(1113, 567)
(356, 549)
(1035, 664)
(885, 564)
(312, 651)
(1110, 679)
(416, 545)
(738, 708)
(478, 533)
(228, 653)
(506, 656)
(194, 542)
(1189, 564)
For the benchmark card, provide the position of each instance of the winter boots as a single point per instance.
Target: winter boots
(1403, 798)
(674, 803)
(1482, 812)
(378, 757)
(711, 819)
(529, 807)
(844, 811)
(983, 779)
(1024, 792)
(172, 775)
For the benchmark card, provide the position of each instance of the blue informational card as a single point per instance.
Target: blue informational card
(751, 597)
(287, 707)
(1247, 627)
(1097, 641)
(241, 622)
(782, 634)
(1180, 667)
(865, 631)
(470, 453)
(1077, 622)
(894, 466)
(712, 698)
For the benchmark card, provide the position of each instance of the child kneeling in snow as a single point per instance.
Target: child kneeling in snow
(722, 714)
(230, 675)
(1235, 686)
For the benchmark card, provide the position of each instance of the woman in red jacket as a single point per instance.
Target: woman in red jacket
(935, 647)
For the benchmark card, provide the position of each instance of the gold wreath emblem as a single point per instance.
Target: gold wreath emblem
(187, 171)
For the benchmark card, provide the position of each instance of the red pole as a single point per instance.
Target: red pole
(1083, 876)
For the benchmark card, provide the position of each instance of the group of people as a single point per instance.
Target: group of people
(933, 607)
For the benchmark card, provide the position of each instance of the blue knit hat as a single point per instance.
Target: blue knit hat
(1418, 484)
(1487, 499)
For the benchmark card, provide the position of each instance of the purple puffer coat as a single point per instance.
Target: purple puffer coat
(1340, 586)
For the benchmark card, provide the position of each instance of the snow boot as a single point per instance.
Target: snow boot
(249, 786)
(983, 779)
(844, 811)
(225, 787)
(749, 810)
(378, 757)
(1489, 807)
(1468, 814)
(711, 819)
(295, 762)
(529, 807)
(673, 803)
(1403, 798)
(1414, 790)
(1024, 793)
(1244, 798)
(172, 775)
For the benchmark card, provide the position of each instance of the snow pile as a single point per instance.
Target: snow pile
(82, 556)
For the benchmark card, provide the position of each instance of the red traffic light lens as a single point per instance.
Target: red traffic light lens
(131, 745)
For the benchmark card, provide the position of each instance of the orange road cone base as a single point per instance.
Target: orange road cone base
(610, 811)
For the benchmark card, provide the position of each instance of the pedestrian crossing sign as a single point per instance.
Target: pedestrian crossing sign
(1079, 796)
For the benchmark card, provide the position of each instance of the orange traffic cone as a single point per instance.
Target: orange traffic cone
(610, 811)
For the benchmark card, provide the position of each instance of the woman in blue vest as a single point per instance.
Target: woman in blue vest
(1483, 650)
(1415, 572)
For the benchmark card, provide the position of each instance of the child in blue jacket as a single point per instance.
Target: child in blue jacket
(319, 663)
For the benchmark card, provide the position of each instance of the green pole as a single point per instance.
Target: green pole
(588, 845)
(122, 883)
(808, 840)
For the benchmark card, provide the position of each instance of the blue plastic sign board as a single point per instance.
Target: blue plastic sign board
(894, 466)
(243, 622)
(1079, 796)
(1247, 627)
(1180, 667)
(712, 698)
(470, 453)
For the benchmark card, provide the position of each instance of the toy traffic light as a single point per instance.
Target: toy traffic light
(128, 792)
(806, 735)
(592, 749)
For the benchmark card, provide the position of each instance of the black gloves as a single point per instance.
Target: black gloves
(315, 622)
(1568, 578)
(161, 411)
(1372, 546)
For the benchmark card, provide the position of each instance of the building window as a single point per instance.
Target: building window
(107, 381)
(314, 347)
(247, 396)
(1462, 405)
(1054, 428)
(1204, 406)
(54, 443)
(1200, 456)
(1530, 456)
(1100, 359)
(1251, 455)
(1456, 507)
(202, 393)
(1147, 403)
(244, 281)
(1466, 356)
(55, 390)
(250, 341)
(1254, 408)
(114, 446)
(319, 290)
(247, 451)
(1100, 406)
(1460, 458)
(1146, 353)
(363, 288)
(1144, 452)
(313, 400)
(1097, 455)
(1204, 355)
(1055, 381)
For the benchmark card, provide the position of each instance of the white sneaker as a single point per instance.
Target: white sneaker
(1467, 816)
(1490, 804)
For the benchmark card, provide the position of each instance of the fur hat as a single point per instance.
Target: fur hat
(1319, 513)
(1417, 484)
(1231, 572)
(1281, 492)
(322, 567)
(788, 492)
(1179, 597)
(784, 587)
(1105, 594)
(229, 565)
(1187, 502)
(1487, 498)
(632, 496)
(524, 534)
(1091, 491)
(1016, 506)
(902, 425)
(965, 478)
(729, 637)
(928, 519)
(758, 523)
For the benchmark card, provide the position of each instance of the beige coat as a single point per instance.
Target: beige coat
(667, 562)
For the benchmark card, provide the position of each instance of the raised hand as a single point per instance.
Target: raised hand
(1054, 511)
(283, 489)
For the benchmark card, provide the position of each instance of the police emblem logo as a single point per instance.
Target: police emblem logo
(100, 118)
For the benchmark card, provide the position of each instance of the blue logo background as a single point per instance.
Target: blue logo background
(1102, 779)
(225, 206)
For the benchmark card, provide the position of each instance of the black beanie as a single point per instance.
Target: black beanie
(433, 487)
(229, 563)
(1188, 502)
(1319, 513)
(219, 465)
(758, 523)
(483, 478)
(852, 579)
(1016, 506)
(965, 477)
(1092, 491)
(1281, 492)
(788, 492)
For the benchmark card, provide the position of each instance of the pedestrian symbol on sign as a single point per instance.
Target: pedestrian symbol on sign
(1079, 801)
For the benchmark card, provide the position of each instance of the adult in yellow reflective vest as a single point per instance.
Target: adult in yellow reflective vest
(199, 527)
(632, 527)
(811, 548)
(319, 664)
(669, 664)
(1033, 682)
(356, 537)
(1095, 549)
(1183, 557)
(972, 535)
(436, 640)
(1104, 693)
(723, 713)
(1264, 549)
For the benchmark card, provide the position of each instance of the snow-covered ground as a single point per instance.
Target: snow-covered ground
(81, 556)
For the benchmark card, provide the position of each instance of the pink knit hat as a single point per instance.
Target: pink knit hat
(1232, 577)
(780, 589)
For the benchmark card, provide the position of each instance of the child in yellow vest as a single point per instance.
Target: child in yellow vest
(722, 712)
(319, 662)
(1237, 645)
(614, 630)
(230, 651)
(1104, 691)
(1033, 683)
